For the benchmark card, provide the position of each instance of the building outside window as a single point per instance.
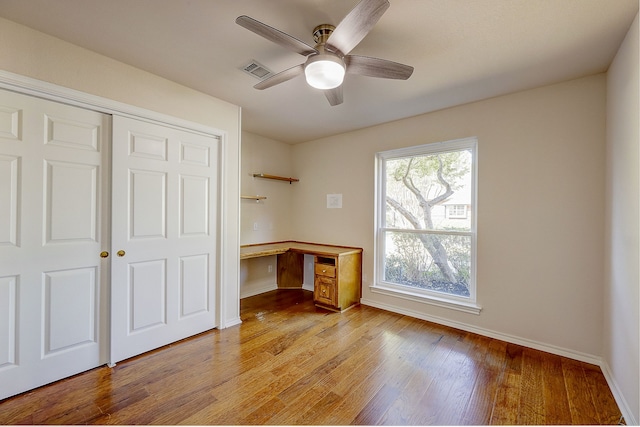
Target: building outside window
(457, 211)
(425, 223)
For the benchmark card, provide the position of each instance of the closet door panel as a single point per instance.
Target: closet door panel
(70, 307)
(194, 289)
(8, 321)
(71, 202)
(148, 204)
(194, 206)
(164, 210)
(9, 166)
(53, 309)
(147, 294)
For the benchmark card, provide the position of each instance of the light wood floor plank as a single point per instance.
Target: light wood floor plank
(292, 363)
(601, 395)
(489, 360)
(506, 408)
(581, 404)
(531, 405)
(556, 401)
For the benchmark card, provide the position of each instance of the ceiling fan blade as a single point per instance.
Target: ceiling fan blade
(334, 96)
(355, 26)
(376, 67)
(275, 35)
(281, 77)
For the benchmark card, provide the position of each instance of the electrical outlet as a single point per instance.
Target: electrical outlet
(255, 226)
(270, 268)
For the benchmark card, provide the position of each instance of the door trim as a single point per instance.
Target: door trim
(228, 258)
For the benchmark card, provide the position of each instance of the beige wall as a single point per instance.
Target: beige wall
(40, 56)
(271, 216)
(33, 54)
(622, 279)
(540, 211)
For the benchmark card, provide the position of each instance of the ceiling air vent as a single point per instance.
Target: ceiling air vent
(257, 70)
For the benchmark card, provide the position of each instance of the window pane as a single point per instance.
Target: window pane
(432, 262)
(429, 192)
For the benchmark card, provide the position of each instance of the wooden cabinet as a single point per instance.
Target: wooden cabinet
(337, 281)
(324, 290)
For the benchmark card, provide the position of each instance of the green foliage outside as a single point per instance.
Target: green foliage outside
(418, 189)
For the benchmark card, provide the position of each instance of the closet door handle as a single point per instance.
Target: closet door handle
(120, 253)
(104, 254)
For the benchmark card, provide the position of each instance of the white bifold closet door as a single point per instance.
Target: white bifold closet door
(164, 235)
(77, 187)
(53, 282)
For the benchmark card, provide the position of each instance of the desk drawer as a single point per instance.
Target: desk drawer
(325, 270)
(325, 291)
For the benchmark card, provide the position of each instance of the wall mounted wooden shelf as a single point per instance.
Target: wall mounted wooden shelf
(276, 177)
(256, 198)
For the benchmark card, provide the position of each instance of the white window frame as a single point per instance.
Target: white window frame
(466, 304)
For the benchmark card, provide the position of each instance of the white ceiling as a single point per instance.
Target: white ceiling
(462, 51)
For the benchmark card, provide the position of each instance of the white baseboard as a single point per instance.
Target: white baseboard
(231, 322)
(583, 357)
(246, 292)
(629, 419)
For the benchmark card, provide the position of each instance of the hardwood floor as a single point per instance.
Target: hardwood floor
(292, 363)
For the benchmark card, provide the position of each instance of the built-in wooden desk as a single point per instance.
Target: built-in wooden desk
(337, 270)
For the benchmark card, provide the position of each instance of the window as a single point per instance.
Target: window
(457, 211)
(426, 225)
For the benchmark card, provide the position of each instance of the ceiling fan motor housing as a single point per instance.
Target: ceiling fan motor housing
(322, 32)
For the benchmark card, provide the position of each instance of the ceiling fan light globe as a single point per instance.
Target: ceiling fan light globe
(324, 71)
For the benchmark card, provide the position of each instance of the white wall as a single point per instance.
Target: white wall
(622, 281)
(272, 216)
(540, 211)
(33, 54)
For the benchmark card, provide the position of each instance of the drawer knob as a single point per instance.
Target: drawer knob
(323, 291)
(324, 271)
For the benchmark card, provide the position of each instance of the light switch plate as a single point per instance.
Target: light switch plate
(334, 201)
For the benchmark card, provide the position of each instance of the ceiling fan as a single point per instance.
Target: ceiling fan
(329, 60)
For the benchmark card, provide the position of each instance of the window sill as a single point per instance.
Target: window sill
(466, 307)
